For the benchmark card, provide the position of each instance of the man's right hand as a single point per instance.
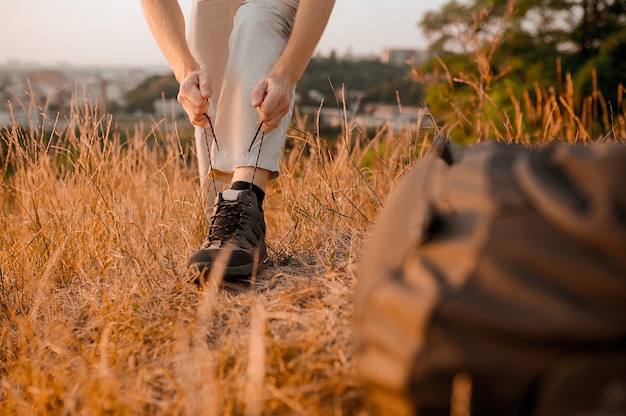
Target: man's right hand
(194, 93)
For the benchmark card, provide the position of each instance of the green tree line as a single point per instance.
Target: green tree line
(152, 88)
(498, 50)
(369, 79)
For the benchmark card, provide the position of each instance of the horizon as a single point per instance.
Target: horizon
(18, 63)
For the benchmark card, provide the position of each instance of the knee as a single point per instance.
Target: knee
(255, 17)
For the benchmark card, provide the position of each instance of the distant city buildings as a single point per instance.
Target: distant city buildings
(28, 91)
(403, 56)
(395, 56)
(376, 115)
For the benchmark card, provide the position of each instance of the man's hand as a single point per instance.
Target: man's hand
(167, 23)
(272, 97)
(194, 93)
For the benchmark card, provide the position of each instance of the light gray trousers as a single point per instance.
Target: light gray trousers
(238, 42)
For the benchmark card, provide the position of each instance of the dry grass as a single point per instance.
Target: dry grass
(96, 316)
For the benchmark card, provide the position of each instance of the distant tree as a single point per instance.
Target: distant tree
(513, 46)
(369, 79)
(529, 35)
(142, 97)
(599, 20)
(4, 88)
(600, 36)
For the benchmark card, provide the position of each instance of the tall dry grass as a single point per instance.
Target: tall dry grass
(97, 222)
(96, 315)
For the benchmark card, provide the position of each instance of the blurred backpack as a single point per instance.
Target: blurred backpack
(494, 283)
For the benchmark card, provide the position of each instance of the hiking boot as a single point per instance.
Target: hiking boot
(237, 225)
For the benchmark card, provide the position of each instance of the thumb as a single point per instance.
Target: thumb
(258, 93)
(204, 83)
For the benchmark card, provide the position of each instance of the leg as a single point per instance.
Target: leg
(258, 36)
(209, 29)
(261, 30)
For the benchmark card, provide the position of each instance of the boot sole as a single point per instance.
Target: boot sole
(232, 274)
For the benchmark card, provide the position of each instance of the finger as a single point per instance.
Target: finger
(268, 127)
(205, 84)
(193, 97)
(197, 115)
(191, 108)
(271, 102)
(198, 120)
(201, 122)
(259, 93)
(277, 112)
(271, 124)
(190, 90)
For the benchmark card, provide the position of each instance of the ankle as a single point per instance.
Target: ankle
(260, 177)
(243, 185)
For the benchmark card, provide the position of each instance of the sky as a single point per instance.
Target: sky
(114, 32)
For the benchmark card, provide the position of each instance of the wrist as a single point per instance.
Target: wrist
(286, 74)
(184, 68)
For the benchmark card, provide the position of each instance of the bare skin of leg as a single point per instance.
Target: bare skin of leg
(245, 173)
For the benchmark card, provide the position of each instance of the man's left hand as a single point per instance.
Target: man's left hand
(272, 98)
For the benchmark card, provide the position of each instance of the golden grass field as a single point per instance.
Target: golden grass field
(96, 314)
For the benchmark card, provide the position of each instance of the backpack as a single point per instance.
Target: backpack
(494, 283)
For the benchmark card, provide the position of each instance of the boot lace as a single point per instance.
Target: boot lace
(226, 221)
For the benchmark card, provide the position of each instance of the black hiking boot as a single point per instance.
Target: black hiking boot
(237, 226)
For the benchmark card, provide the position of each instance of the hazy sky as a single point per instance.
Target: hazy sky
(114, 32)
